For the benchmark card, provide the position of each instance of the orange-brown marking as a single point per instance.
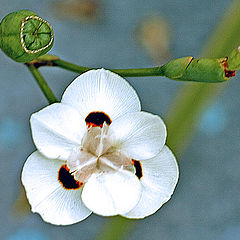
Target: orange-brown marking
(138, 167)
(67, 180)
(96, 119)
(228, 73)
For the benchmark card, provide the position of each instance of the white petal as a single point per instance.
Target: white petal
(102, 91)
(140, 135)
(47, 196)
(57, 129)
(160, 176)
(113, 193)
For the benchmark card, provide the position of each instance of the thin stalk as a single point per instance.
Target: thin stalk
(136, 72)
(139, 72)
(116, 228)
(206, 70)
(70, 66)
(42, 84)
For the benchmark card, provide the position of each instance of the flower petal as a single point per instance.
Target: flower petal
(101, 91)
(140, 135)
(47, 196)
(56, 130)
(112, 193)
(160, 176)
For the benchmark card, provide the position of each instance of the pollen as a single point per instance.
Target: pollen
(96, 119)
(67, 180)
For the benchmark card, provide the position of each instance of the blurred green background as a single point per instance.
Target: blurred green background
(124, 34)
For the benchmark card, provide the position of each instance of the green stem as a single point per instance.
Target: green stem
(70, 66)
(210, 70)
(137, 72)
(207, 70)
(42, 84)
(117, 228)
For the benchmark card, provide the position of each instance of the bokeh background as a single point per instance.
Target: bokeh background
(128, 34)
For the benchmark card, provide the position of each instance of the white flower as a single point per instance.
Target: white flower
(97, 152)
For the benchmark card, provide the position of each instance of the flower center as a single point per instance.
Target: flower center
(97, 155)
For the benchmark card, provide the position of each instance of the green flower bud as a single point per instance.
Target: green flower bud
(25, 36)
(208, 70)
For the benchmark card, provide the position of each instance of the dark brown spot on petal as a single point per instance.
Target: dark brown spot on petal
(96, 119)
(67, 180)
(138, 168)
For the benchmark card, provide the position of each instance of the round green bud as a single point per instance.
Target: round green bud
(24, 36)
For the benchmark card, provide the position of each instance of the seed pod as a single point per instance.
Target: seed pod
(25, 36)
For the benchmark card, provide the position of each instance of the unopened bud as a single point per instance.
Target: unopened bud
(25, 36)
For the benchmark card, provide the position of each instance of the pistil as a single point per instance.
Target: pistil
(97, 155)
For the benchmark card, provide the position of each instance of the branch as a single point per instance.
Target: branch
(206, 70)
(42, 83)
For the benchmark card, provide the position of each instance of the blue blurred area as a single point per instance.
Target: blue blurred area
(27, 234)
(206, 202)
(231, 233)
(11, 132)
(214, 120)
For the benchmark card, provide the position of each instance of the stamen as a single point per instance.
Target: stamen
(67, 180)
(138, 168)
(96, 119)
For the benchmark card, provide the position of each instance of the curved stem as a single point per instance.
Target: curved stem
(137, 72)
(42, 84)
(206, 70)
(70, 66)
